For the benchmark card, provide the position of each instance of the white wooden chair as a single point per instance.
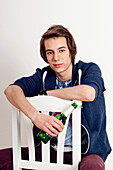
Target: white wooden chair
(46, 104)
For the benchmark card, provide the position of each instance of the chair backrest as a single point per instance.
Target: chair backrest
(46, 104)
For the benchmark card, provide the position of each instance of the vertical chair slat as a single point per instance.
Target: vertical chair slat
(76, 139)
(60, 147)
(29, 132)
(46, 148)
(16, 137)
(46, 152)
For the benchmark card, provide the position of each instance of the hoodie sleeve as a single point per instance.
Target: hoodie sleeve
(92, 76)
(30, 85)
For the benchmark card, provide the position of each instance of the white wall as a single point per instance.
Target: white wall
(22, 22)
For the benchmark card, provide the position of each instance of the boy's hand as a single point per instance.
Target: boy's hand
(48, 123)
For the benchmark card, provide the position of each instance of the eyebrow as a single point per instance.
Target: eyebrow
(62, 47)
(58, 48)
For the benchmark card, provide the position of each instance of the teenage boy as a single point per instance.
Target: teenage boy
(58, 49)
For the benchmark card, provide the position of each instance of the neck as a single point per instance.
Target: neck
(64, 76)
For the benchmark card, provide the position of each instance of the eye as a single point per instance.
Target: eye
(49, 53)
(61, 51)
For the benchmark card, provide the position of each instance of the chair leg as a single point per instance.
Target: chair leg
(16, 122)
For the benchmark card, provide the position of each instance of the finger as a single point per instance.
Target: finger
(48, 131)
(58, 122)
(54, 130)
(57, 127)
(53, 127)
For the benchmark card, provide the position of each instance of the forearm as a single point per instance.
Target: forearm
(80, 92)
(17, 98)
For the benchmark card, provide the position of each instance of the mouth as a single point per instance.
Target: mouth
(58, 65)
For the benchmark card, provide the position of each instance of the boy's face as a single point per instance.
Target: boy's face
(58, 57)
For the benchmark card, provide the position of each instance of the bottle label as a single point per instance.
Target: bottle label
(44, 136)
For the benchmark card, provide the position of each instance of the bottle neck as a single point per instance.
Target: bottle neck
(70, 109)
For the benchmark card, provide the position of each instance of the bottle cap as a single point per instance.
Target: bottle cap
(74, 105)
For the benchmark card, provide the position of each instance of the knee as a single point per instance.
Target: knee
(92, 162)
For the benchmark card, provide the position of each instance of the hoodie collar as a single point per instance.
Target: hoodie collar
(50, 79)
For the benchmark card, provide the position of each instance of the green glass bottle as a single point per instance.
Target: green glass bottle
(43, 136)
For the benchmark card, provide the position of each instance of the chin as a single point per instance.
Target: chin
(58, 69)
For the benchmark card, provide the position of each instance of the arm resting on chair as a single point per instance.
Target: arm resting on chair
(80, 92)
(17, 98)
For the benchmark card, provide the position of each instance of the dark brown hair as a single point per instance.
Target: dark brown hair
(58, 31)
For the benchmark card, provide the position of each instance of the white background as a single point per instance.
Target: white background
(22, 22)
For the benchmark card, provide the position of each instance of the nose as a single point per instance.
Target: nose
(56, 56)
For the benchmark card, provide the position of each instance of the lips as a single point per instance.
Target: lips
(57, 65)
